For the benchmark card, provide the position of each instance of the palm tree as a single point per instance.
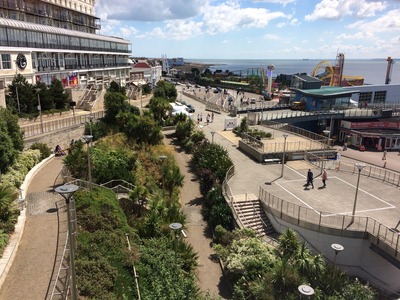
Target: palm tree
(288, 244)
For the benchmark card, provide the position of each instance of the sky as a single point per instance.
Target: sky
(255, 29)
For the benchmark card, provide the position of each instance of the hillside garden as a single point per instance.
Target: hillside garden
(128, 146)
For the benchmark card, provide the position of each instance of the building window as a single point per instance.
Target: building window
(365, 97)
(380, 97)
(6, 61)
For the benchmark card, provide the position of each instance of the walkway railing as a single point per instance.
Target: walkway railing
(49, 126)
(382, 236)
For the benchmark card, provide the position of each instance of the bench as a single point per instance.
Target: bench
(272, 160)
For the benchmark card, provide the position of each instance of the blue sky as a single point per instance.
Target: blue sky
(255, 29)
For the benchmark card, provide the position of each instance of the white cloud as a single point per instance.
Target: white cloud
(283, 2)
(271, 37)
(337, 9)
(149, 10)
(223, 18)
(389, 22)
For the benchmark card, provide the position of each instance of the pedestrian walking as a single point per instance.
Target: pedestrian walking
(384, 155)
(212, 117)
(310, 179)
(208, 118)
(324, 178)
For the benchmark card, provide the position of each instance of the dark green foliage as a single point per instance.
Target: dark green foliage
(212, 157)
(165, 90)
(60, 97)
(22, 92)
(114, 103)
(11, 139)
(103, 264)
(8, 212)
(169, 281)
(184, 129)
(45, 151)
(159, 108)
(98, 129)
(141, 129)
(109, 164)
(45, 97)
(76, 161)
(115, 88)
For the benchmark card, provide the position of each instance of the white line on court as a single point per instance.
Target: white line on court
(343, 213)
(373, 196)
(309, 206)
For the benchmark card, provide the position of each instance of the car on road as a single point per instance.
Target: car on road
(190, 108)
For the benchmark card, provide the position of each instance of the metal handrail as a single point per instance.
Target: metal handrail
(379, 234)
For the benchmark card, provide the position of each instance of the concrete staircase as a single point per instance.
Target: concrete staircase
(252, 215)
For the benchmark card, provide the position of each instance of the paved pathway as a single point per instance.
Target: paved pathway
(32, 268)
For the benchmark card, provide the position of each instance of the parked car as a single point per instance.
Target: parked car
(190, 108)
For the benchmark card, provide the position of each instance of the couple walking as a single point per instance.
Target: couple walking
(310, 178)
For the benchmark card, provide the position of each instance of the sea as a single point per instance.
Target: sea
(373, 70)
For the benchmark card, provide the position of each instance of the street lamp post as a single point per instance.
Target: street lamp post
(91, 117)
(67, 191)
(39, 107)
(163, 158)
(327, 133)
(359, 166)
(212, 137)
(306, 290)
(337, 248)
(176, 227)
(87, 139)
(284, 153)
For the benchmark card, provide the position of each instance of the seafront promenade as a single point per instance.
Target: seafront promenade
(45, 221)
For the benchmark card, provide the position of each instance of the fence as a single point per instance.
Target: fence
(379, 234)
(49, 126)
(378, 173)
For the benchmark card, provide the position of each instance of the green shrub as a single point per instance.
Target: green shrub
(45, 151)
(17, 172)
(3, 240)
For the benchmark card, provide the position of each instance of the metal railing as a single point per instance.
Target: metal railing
(379, 234)
(49, 126)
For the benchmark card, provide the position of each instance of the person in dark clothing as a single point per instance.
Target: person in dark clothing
(310, 178)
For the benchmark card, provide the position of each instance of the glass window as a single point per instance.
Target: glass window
(380, 97)
(365, 97)
(6, 61)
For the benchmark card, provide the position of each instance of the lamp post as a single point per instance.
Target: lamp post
(67, 191)
(359, 166)
(39, 107)
(87, 139)
(91, 117)
(163, 158)
(284, 153)
(327, 133)
(16, 87)
(212, 137)
(305, 290)
(337, 248)
(176, 227)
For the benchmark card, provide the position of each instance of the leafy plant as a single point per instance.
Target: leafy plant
(45, 151)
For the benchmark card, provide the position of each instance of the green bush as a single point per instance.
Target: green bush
(3, 240)
(17, 172)
(45, 151)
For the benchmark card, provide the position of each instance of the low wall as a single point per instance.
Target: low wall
(60, 137)
(11, 250)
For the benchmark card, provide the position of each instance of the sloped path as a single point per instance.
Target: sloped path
(32, 268)
(209, 273)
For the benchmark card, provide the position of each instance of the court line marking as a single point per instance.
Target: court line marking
(389, 206)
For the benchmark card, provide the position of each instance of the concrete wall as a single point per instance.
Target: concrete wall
(61, 137)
